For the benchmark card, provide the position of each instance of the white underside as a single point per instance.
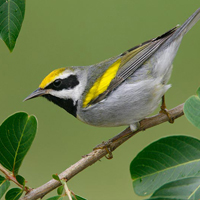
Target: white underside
(137, 97)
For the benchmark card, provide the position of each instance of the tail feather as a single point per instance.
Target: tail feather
(186, 26)
(190, 22)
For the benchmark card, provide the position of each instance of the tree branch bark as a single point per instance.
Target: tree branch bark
(99, 153)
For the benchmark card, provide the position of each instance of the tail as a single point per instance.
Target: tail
(188, 24)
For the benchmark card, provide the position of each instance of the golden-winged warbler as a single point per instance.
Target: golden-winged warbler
(121, 90)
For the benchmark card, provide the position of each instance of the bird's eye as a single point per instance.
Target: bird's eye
(57, 83)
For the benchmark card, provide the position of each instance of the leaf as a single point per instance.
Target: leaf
(16, 136)
(60, 190)
(11, 18)
(163, 161)
(4, 185)
(188, 188)
(76, 197)
(20, 180)
(13, 194)
(192, 109)
(55, 198)
(56, 177)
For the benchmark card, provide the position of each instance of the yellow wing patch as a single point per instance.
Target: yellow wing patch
(52, 76)
(102, 83)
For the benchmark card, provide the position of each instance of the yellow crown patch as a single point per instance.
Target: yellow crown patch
(51, 77)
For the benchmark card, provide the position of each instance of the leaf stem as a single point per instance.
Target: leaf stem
(67, 191)
(12, 178)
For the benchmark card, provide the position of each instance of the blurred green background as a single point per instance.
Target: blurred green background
(64, 33)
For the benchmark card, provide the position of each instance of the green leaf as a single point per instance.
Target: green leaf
(55, 198)
(20, 180)
(60, 190)
(188, 188)
(198, 92)
(2, 179)
(13, 194)
(4, 185)
(76, 197)
(56, 177)
(163, 161)
(11, 18)
(16, 136)
(192, 109)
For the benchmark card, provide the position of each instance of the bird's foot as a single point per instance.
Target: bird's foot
(107, 147)
(165, 111)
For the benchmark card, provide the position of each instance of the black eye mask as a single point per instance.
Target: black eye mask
(67, 83)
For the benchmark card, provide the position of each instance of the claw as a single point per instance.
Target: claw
(165, 111)
(106, 146)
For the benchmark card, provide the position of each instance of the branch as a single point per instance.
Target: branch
(99, 153)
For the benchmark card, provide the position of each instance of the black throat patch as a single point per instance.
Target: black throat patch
(66, 104)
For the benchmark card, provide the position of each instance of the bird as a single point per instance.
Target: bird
(121, 90)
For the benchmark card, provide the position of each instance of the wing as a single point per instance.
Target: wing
(126, 65)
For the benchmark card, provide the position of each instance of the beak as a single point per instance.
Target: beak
(37, 93)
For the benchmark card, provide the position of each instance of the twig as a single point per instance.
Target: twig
(97, 154)
(67, 191)
(10, 177)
